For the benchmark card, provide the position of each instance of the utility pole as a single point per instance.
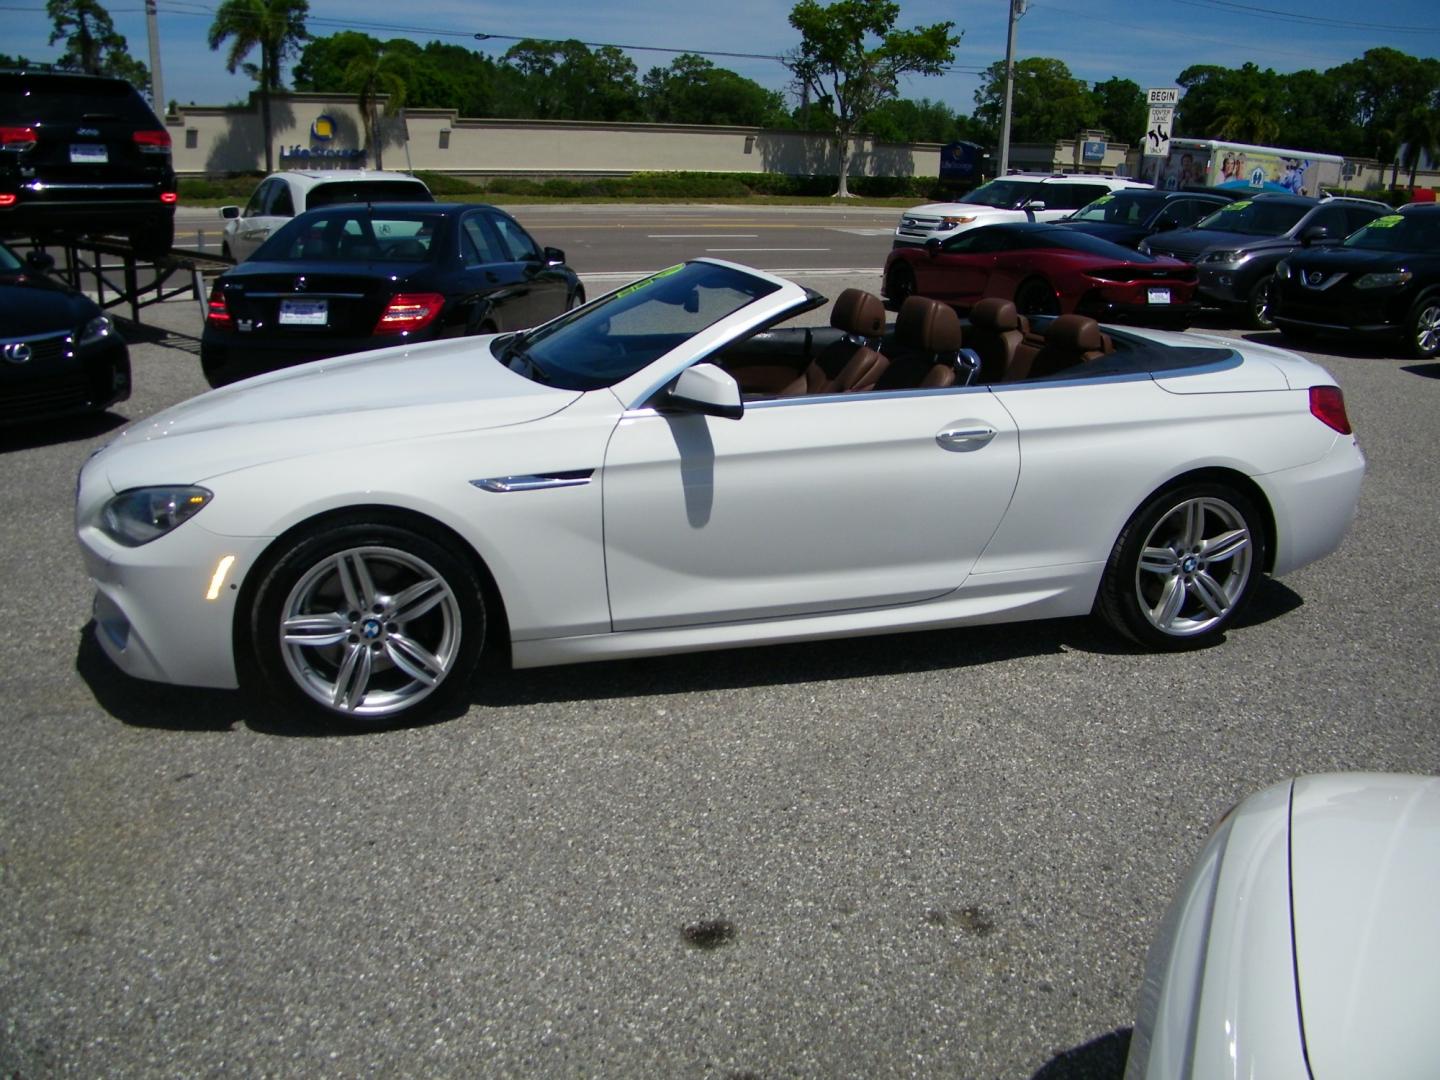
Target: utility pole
(1017, 8)
(157, 84)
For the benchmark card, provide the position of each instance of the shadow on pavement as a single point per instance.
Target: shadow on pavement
(1099, 1059)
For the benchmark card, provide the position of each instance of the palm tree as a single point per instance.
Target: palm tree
(278, 27)
(1247, 118)
(1418, 132)
(371, 76)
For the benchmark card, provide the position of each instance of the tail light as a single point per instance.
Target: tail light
(170, 198)
(8, 200)
(152, 142)
(17, 138)
(409, 311)
(1327, 404)
(217, 314)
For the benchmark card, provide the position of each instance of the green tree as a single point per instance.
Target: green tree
(1249, 107)
(692, 90)
(565, 80)
(1048, 102)
(276, 27)
(1120, 109)
(371, 76)
(851, 57)
(91, 42)
(1418, 132)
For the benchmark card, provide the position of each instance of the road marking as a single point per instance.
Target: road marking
(861, 232)
(702, 236)
(767, 249)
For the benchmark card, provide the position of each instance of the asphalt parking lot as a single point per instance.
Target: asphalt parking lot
(939, 854)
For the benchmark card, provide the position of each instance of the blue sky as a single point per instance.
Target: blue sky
(1149, 41)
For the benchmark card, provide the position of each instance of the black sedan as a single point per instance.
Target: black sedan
(59, 353)
(1128, 216)
(1384, 280)
(345, 279)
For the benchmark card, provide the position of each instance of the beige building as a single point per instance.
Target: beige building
(326, 130)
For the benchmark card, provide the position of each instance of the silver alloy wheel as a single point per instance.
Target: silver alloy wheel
(370, 631)
(1193, 566)
(1427, 328)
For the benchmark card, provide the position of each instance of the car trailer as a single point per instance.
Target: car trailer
(113, 275)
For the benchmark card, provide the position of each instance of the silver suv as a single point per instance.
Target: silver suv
(1017, 197)
(284, 195)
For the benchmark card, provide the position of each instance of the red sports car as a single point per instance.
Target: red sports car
(1046, 270)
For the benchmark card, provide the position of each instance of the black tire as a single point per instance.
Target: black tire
(1036, 297)
(900, 284)
(367, 664)
(225, 252)
(577, 299)
(1422, 327)
(154, 240)
(1207, 546)
(1257, 305)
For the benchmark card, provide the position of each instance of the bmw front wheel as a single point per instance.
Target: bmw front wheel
(1183, 566)
(368, 623)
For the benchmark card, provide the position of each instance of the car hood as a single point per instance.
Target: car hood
(1357, 260)
(949, 209)
(36, 306)
(365, 400)
(1365, 865)
(1187, 243)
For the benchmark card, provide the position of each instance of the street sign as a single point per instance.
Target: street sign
(1163, 95)
(1162, 101)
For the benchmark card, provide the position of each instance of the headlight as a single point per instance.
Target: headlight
(1384, 280)
(140, 515)
(1282, 270)
(954, 222)
(1226, 258)
(97, 329)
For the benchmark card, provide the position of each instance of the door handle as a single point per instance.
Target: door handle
(962, 439)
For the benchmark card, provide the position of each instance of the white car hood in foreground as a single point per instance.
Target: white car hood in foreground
(363, 400)
(1365, 868)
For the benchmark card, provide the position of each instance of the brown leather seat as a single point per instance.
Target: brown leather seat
(927, 343)
(996, 335)
(1070, 340)
(854, 361)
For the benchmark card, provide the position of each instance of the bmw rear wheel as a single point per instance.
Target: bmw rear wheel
(1183, 566)
(1422, 327)
(368, 623)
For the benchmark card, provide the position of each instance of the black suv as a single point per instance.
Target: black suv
(1384, 280)
(1235, 250)
(83, 154)
(1127, 217)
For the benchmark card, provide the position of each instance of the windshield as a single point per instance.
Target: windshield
(357, 235)
(1256, 217)
(611, 339)
(1398, 232)
(1119, 209)
(1009, 194)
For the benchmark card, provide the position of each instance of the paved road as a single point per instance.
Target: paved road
(933, 855)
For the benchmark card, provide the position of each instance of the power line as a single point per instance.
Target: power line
(1313, 20)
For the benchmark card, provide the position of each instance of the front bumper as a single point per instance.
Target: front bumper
(61, 379)
(152, 614)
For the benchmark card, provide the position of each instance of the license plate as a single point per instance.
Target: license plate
(304, 312)
(1159, 296)
(88, 154)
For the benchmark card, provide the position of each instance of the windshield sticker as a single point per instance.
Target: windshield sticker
(1237, 205)
(650, 280)
(1389, 221)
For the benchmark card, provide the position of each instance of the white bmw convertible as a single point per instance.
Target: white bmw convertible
(670, 468)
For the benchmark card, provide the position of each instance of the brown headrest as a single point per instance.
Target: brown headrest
(995, 314)
(858, 312)
(928, 324)
(1076, 332)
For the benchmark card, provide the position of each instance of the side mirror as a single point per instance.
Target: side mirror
(932, 246)
(42, 262)
(1314, 235)
(705, 388)
(554, 256)
(1035, 204)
